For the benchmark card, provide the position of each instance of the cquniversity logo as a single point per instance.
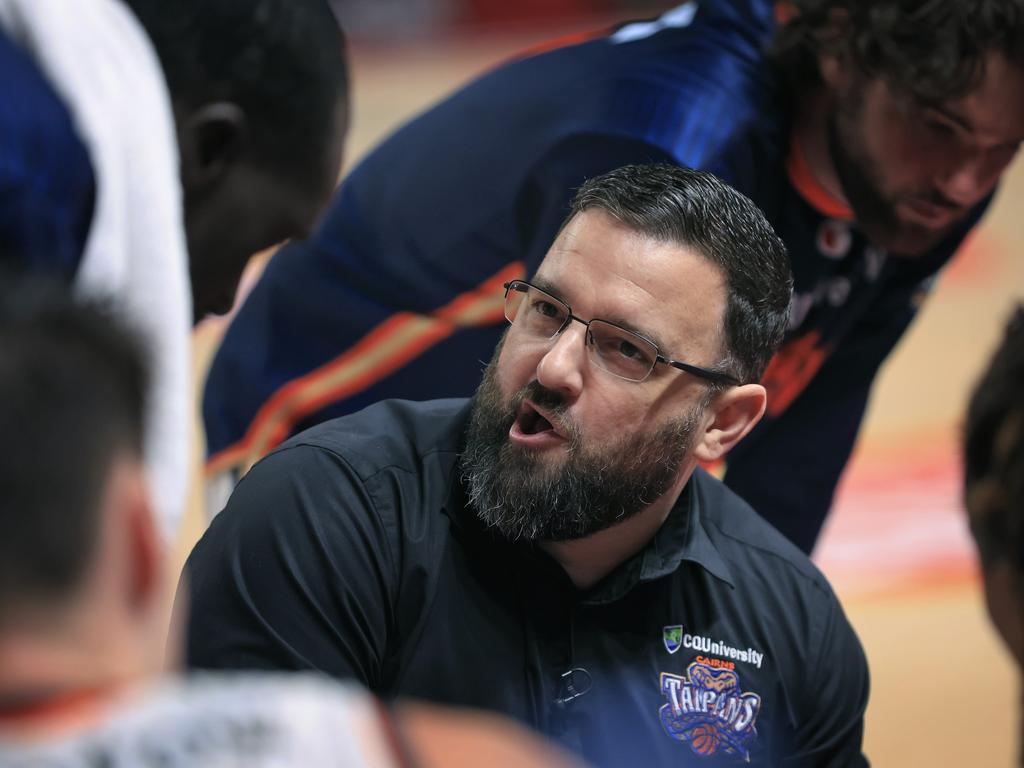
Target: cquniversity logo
(673, 638)
(707, 710)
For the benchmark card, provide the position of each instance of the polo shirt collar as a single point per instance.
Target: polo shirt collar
(681, 538)
(684, 537)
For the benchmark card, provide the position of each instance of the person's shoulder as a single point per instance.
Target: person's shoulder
(282, 719)
(220, 719)
(665, 51)
(400, 434)
(232, 690)
(750, 544)
(750, 20)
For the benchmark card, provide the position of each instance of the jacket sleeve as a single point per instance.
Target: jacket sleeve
(296, 573)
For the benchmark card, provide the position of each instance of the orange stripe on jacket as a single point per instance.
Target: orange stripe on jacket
(562, 41)
(389, 346)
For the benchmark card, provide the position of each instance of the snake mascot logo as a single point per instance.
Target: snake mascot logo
(707, 710)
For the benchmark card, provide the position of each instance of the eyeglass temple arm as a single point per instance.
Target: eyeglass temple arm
(704, 373)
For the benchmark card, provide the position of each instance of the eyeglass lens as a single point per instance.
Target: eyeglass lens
(617, 350)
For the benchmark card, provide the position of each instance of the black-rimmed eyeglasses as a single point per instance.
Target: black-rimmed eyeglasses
(622, 353)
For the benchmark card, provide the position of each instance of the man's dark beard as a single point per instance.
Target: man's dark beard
(525, 496)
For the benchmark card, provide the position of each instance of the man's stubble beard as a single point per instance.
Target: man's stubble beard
(861, 180)
(525, 494)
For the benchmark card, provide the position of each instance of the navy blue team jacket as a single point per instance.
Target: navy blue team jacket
(398, 293)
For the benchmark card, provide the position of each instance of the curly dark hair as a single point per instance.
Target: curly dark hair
(931, 50)
(994, 453)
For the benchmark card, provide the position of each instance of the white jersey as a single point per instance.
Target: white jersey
(206, 721)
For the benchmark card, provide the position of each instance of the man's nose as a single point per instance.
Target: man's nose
(561, 368)
(968, 179)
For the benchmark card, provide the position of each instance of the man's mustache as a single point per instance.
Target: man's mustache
(535, 392)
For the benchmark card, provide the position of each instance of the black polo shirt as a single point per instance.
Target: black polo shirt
(351, 550)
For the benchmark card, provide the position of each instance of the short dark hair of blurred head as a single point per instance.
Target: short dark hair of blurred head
(72, 389)
(994, 481)
(260, 95)
(699, 211)
(933, 50)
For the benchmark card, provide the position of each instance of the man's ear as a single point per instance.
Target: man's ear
(728, 418)
(145, 561)
(210, 139)
(835, 73)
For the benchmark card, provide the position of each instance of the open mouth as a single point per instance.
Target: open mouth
(930, 213)
(537, 426)
(530, 421)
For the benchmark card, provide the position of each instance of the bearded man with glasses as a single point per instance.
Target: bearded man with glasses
(551, 550)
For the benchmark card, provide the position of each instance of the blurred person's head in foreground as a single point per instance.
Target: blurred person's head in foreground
(260, 97)
(81, 579)
(83, 595)
(994, 482)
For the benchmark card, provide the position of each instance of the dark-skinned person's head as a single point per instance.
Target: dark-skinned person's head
(921, 102)
(632, 354)
(260, 96)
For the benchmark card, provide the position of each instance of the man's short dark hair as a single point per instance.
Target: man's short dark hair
(994, 453)
(282, 61)
(72, 386)
(699, 211)
(931, 50)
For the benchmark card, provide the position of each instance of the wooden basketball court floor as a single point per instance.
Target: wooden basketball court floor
(944, 692)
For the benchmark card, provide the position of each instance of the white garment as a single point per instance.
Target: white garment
(101, 62)
(216, 721)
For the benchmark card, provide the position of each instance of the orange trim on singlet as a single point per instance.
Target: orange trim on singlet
(69, 705)
(386, 348)
(784, 11)
(809, 188)
(791, 370)
(787, 375)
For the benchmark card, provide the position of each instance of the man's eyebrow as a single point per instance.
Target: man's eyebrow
(614, 320)
(627, 325)
(964, 123)
(547, 287)
(953, 116)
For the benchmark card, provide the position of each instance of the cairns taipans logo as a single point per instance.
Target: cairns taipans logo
(707, 710)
